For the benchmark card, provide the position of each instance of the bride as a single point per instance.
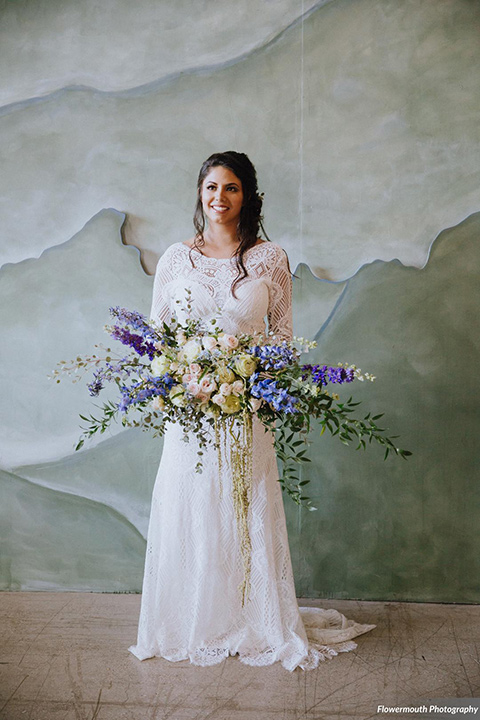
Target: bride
(191, 608)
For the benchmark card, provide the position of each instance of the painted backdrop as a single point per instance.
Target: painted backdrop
(362, 119)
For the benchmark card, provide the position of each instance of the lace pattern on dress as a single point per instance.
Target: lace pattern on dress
(191, 607)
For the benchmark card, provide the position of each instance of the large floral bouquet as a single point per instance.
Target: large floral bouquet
(214, 384)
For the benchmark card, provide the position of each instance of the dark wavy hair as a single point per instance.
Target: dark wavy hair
(250, 221)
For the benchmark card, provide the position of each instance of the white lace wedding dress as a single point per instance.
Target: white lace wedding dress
(191, 607)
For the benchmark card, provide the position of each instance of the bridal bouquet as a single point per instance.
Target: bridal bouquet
(214, 384)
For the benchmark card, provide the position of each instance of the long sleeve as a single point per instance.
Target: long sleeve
(160, 310)
(280, 307)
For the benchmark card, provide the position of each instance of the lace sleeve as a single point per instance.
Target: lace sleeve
(160, 310)
(280, 307)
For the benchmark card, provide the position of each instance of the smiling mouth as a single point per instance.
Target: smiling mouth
(220, 208)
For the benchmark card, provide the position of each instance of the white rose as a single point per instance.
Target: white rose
(238, 387)
(209, 342)
(225, 389)
(193, 387)
(160, 365)
(228, 342)
(208, 384)
(191, 350)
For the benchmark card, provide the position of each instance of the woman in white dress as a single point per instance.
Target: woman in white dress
(191, 607)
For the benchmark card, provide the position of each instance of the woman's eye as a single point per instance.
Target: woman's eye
(233, 188)
(210, 187)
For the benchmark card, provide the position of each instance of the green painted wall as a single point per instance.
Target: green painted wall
(405, 530)
(362, 119)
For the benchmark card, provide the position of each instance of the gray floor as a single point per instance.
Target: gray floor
(64, 657)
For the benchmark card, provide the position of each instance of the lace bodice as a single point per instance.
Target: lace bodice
(265, 293)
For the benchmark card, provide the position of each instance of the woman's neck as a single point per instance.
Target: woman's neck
(218, 238)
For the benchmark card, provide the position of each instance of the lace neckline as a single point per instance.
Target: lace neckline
(207, 257)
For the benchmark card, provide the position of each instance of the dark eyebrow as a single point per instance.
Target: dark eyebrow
(212, 182)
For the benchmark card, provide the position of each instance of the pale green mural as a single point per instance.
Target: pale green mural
(362, 119)
(403, 530)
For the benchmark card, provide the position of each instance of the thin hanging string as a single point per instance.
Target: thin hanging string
(300, 189)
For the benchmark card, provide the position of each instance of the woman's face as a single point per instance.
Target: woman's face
(222, 196)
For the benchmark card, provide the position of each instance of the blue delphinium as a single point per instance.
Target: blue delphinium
(137, 342)
(97, 384)
(323, 374)
(274, 357)
(136, 320)
(142, 391)
(268, 390)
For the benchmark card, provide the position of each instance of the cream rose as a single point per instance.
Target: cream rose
(231, 404)
(225, 375)
(245, 364)
(219, 399)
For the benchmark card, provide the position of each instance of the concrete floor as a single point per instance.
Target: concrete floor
(64, 657)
